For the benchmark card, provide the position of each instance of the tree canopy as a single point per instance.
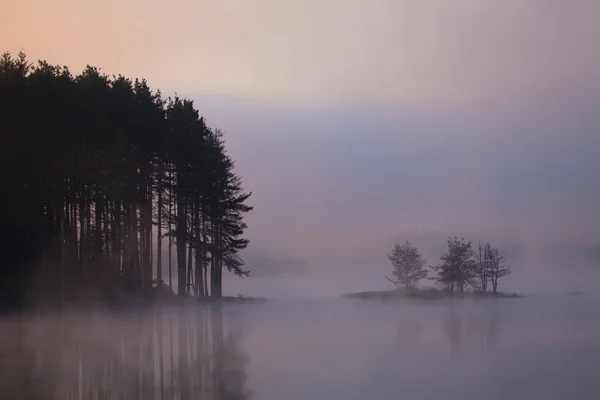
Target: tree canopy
(458, 266)
(408, 266)
(101, 174)
(462, 267)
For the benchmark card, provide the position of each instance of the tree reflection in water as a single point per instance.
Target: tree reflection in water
(471, 331)
(163, 354)
(460, 331)
(409, 332)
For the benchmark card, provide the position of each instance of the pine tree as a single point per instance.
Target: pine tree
(408, 266)
(458, 268)
(100, 169)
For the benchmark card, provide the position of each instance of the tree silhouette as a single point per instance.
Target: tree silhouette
(408, 266)
(483, 265)
(498, 267)
(97, 170)
(458, 268)
(490, 266)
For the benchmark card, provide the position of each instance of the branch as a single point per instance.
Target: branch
(393, 281)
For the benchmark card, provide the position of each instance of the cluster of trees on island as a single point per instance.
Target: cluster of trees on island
(103, 176)
(462, 267)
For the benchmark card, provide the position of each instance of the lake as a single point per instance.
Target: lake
(540, 347)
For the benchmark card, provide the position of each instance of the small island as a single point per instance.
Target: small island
(427, 294)
(463, 273)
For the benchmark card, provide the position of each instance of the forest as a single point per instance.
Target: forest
(103, 179)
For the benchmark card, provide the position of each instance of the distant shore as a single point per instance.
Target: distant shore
(427, 294)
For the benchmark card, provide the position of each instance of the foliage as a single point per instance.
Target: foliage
(408, 266)
(98, 171)
(458, 268)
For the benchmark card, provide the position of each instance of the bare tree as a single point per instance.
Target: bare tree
(497, 266)
(483, 264)
(408, 266)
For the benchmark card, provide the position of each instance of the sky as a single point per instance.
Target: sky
(360, 124)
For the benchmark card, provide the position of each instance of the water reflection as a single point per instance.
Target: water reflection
(456, 330)
(409, 332)
(177, 354)
(308, 349)
(470, 332)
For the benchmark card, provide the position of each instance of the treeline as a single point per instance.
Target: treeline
(462, 267)
(102, 176)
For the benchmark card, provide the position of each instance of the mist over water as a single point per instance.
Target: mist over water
(313, 137)
(541, 347)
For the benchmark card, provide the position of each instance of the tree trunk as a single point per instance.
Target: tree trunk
(82, 246)
(204, 257)
(149, 262)
(213, 264)
(135, 248)
(199, 285)
(170, 221)
(217, 284)
(181, 243)
(189, 270)
(63, 221)
(98, 210)
(107, 242)
(159, 234)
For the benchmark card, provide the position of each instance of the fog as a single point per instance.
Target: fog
(334, 189)
(544, 347)
(355, 126)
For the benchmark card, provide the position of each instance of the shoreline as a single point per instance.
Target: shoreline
(427, 294)
(131, 302)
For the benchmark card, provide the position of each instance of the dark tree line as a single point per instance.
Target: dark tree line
(101, 177)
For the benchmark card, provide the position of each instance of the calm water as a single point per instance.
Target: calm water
(532, 348)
